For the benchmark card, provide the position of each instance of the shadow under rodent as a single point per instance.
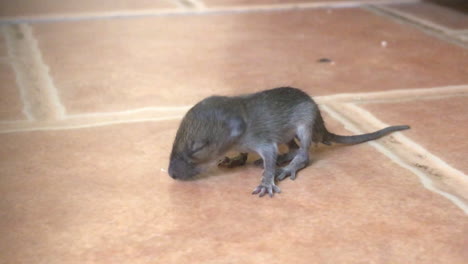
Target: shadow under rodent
(257, 122)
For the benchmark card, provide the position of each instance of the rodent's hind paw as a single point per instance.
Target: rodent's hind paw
(263, 189)
(258, 163)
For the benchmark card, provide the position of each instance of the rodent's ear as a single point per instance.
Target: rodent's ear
(236, 126)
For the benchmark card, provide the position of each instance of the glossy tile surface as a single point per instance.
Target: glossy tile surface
(104, 86)
(99, 195)
(10, 103)
(145, 61)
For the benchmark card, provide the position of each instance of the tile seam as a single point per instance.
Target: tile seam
(426, 181)
(404, 162)
(130, 112)
(89, 16)
(187, 4)
(201, 10)
(52, 97)
(369, 117)
(68, 125)
(369, 97)
(178, 3)
(309, 5)
(6, 31)
(427, 27)
(436, 26)
(194, 4)
(38, 93)
(411, 94)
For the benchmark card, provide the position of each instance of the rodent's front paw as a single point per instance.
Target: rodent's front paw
(230, 163)
(263, 189)
(226, 162)
(233, 162)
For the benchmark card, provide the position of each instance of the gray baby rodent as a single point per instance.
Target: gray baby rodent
(256, 122)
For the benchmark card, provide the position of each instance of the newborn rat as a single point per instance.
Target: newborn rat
(256, 122)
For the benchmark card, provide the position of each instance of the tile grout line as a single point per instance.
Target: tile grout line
(11, 59)
(350, 107)
(425, 26)
(426, 181)
(200, 9)
(300, 6)
(25, 126)
(400, 95)
(150, 113)
(406, 160)
(178, 3)
(186, 4)
(131, 111)
(417, 19)
(38, 93)
(194, 4)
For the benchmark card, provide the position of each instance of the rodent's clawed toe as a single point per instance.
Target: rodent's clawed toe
(282, 173)
(263, 189)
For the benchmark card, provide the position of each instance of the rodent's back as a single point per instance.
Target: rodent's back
(280, 97)
(276, 113)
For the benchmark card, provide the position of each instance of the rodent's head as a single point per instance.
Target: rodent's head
(206, 132)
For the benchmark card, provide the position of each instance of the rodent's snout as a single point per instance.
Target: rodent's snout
(172, 173)
(180, 170)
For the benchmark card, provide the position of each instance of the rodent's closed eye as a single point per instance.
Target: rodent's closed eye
(197, 146)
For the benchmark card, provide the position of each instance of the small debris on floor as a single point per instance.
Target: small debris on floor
(324, 60)
(383, 43)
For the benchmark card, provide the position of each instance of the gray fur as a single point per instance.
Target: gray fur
(258, 123)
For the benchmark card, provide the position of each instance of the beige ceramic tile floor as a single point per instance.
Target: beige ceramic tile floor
(92, 95)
